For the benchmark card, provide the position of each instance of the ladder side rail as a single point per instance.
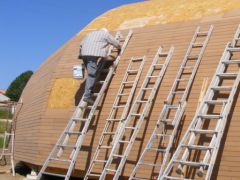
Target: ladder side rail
(119, 136)
(125, 111)
(202, 108)
(170, 96)
(75, 152)
(12, 136)
(197, 64)
(139, 123)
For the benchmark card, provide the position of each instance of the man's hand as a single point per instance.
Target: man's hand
(118, 51)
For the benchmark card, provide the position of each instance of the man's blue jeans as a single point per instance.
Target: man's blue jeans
(91, 64)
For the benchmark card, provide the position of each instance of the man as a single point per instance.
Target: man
(93, 48)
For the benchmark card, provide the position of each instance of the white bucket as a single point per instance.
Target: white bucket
(78, 71)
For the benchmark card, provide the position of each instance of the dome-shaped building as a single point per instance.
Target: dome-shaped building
(51, 95)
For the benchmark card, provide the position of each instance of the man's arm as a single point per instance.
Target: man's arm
(111, 40)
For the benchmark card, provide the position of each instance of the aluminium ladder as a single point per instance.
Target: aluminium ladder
(117, 114)
(137, 114)
(71, 139)
(199, 146)
(162, 138)
(8, 137)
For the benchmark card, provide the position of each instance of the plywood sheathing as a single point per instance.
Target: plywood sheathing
(159, 12)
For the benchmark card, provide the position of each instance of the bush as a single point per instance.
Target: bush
(15, 89)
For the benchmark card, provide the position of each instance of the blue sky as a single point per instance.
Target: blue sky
(31, 30)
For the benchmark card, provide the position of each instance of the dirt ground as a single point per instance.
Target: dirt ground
(5, 174)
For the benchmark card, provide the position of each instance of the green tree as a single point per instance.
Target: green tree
(15, 89)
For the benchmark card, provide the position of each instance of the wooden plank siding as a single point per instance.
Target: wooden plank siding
(38, 126)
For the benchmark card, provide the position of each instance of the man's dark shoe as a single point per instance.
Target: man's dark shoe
(88, 100)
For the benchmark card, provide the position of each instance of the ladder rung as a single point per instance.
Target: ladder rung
(114, 50)
(167, 120)
(95, 94)
(123, 94)
(141, 101)
(192, 57)
(73, 133)
(137, 59)
(210, 116)
(115, 107)
(203, 131)
(234, 49)
(197, 45)
(155, 65)
(109, 133)
(66, 146)
(89, 107)
(61, 160)
(130, 128)
(187, 67)
(175, 178)
(157, 149)
(114, 120)
(100, 161)
(204, 33)
(136, 178)
(53, 174)
(128, 82)
(152, 77)
(118, 155)
(164, 135)
(145, 89)
(222, 88)
(182, 79)
(150, 164)
(106, 147)
(231, 62)
(163, 54)
(215, 101)
(227, 75)
(135, 114)
(79, 119)
(132, 71)
(237, 39)
(124, 141)
(100, 82)
(172, 106)
(190, 163)
(178, 92)
(111, 170)
(197, 147)
(94, 175)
